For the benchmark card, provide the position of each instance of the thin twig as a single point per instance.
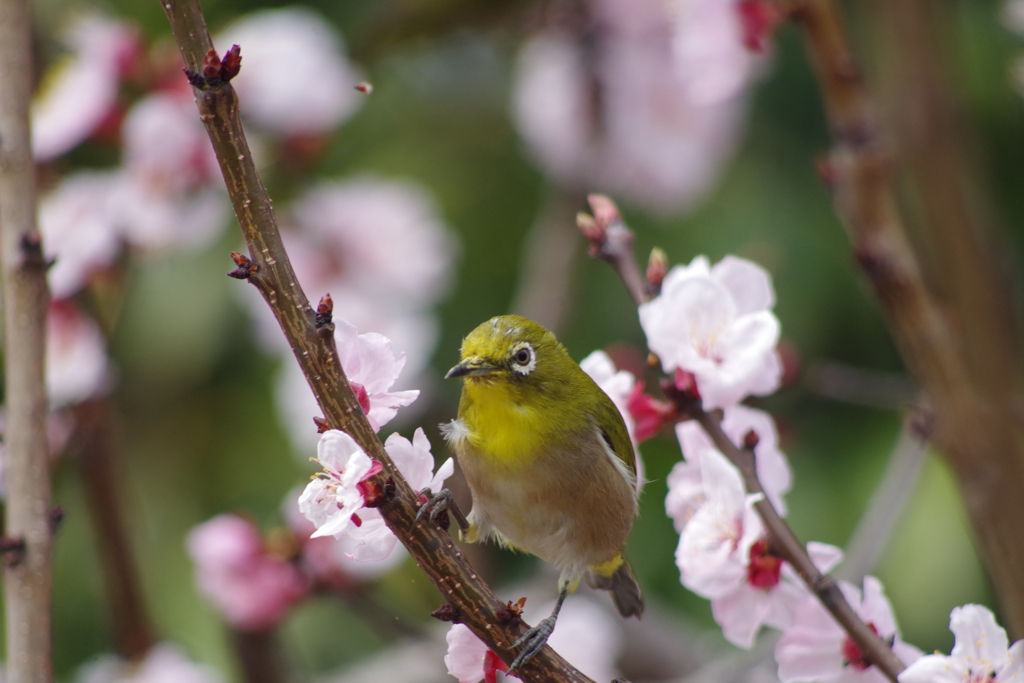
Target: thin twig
(270, 271)
(28, 574)
(134, 634)
(885, 508)
(783, 542)
(978, 428)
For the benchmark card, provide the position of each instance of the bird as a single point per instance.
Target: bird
(549, 462)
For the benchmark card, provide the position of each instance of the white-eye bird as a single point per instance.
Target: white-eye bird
(549, 462)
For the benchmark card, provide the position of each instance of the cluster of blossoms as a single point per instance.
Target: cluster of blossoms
(714, 331)
(336, 541)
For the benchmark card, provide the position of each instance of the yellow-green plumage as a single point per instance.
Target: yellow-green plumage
(547, 456)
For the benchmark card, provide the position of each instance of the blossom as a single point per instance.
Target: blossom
(371, 366)
(78, 223)
(251, 588)
(715, 543)
(79, 92)
(662, 124)
(374, 541)
(468, 659)
(769, 594)
(331, 499)
(716, 323)
(816, 648)
(981, 653)
(708, 44)
(773, 469)
(164, 663)
(170, 193)
(77, 367)
(295, 78)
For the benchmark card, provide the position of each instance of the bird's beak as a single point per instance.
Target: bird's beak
(471, 367)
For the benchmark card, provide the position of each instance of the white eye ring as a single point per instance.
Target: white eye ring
(524, 359)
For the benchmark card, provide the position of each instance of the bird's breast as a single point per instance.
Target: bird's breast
(502, 428)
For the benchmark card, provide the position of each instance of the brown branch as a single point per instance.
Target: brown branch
(272, 274)
(619, 253)
(133, 632)
(977, 427)
(28, 576)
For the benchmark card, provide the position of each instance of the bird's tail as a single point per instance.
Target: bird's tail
(617, 577)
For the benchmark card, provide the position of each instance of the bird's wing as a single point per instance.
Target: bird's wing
(615, 435)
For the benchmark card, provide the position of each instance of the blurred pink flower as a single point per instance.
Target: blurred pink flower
(648, 104)
(295, 77)
(77, 367)
(171, 194)
(618, 384)
(80, 91)
(717, 324)
(79, 228)
(164, 663)
(332, 498)
(816, 648)
(772, 467)
(251, 589)
(981, 654)
(468, 659)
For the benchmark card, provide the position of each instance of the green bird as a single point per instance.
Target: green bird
(549, 462)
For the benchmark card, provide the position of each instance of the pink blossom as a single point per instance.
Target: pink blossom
(295, 77)
(170, 194)
(816, 648)
(80, 91)
(981, 653)
(714, 546)
(329, 560)
(656, 132)
(468, 659)
(737, 421)
(374, 541)
(618, 385)
(332, 498)
(164, 663)
(77, 367)
(769, 595)
(717, 324)
(249, 587)
(711, 58)
(371, 366)
(80, 229)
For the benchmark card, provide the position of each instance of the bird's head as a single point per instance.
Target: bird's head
(509, 348)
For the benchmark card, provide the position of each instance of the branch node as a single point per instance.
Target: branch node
(32, 251)
(325, 312)
(56, 518)
(448, 612)
(245, 269)
(512, 613)
(321, 424)
(216, 71)
(12, 549)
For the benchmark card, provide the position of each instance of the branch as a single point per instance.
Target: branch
(473, 602)
(133, 632)
(977, 427)
(613, 242)
(28, 574)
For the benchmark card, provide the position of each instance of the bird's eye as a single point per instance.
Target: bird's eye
(523, 361)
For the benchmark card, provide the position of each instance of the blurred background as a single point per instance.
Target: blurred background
(443, 197)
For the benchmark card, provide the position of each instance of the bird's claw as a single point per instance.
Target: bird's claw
(438, 506)
(532, 642)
